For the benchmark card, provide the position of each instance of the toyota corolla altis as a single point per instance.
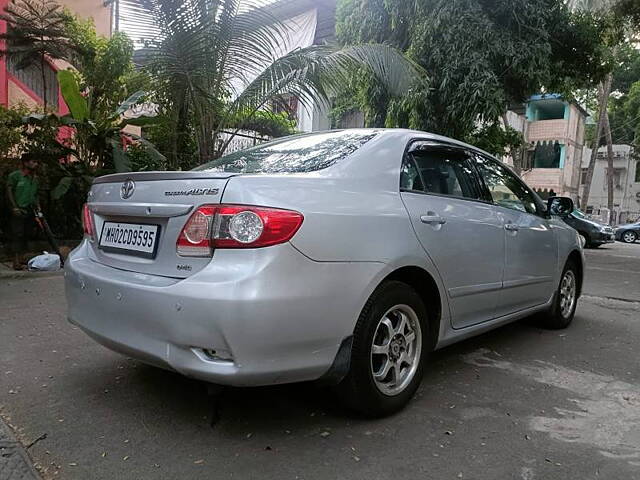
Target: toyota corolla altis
(344, 256)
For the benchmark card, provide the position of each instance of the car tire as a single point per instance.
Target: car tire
(393, 311)
(563, 309)
(629, 236)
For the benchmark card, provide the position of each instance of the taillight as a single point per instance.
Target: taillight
(235, 226)
(195, 238)
(87, 222)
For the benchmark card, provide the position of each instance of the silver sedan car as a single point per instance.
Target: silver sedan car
(343, 256)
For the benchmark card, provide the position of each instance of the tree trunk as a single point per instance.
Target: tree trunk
(43, 66)
(604, 89)
(516, 155)
(180, 132)
(206, 141)
(610, 170)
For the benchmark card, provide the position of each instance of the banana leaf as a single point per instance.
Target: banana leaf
(71, 93)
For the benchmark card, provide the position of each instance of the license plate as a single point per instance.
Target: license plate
(129, 238)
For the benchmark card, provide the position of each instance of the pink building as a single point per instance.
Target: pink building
(26, 86)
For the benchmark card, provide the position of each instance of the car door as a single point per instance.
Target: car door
(457, 228)
(531, 250)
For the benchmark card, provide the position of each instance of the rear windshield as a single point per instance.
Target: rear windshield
(300, 154)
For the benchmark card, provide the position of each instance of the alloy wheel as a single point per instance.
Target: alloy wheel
(396, 349)
(568, 292)
(629, 237)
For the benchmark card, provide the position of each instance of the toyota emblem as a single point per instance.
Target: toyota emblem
(127, 189)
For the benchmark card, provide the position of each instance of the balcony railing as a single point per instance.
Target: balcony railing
(547, 130)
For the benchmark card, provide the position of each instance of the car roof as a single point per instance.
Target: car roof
(411, 132)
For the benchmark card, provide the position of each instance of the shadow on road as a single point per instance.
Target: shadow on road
(158, 394)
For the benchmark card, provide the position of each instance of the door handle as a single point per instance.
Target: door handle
(511, 227)
(433, 219)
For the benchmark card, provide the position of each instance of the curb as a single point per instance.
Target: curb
(15, 463)
(17, 274)
(591, 297)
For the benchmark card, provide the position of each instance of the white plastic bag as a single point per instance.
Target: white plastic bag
(47, 262)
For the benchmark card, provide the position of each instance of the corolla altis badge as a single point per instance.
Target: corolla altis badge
(193, 191)
(127, 189)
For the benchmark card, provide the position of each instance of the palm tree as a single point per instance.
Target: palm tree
(36, 31)
(218, 60)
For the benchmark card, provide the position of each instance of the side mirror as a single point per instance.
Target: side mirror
(560, 206)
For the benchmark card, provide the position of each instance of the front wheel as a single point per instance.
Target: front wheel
(629, 236)
(388, 353)
(565, 299)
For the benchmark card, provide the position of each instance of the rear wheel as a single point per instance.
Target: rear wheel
(565, 300)
(388, 353)
(629, 236)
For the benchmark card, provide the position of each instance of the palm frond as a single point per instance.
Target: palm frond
(221, 61)
(315, 73)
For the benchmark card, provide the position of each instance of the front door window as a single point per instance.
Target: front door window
(505, 189)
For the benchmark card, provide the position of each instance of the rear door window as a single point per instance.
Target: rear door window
(440, 171)
(299, 154)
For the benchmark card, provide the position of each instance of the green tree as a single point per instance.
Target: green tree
(619, 19)
(104, 66)
(89, 147)
(36, 31)
(481, 57)
(204, 49)
(11, 135)
(99, 143)
(624, 114)
(626, 69)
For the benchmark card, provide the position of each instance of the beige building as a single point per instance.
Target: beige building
(26, 86)
(554, 131)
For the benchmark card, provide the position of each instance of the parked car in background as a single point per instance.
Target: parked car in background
(629, 232)
(592, 233)
(341, 256)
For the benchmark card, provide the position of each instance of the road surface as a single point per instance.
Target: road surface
(517, 403)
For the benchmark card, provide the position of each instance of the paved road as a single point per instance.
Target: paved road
(614, 271)
(517, 403)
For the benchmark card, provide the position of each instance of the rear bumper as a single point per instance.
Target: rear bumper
(271, 315)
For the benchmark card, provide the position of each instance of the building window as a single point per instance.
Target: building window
(31, 76)
(583, 176)
(589, 210)
(617, 177)
(546, 155)
(637, 179)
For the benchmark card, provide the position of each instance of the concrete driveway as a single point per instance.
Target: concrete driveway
(517, 403)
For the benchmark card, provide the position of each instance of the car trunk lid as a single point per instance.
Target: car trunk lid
(150, 201)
